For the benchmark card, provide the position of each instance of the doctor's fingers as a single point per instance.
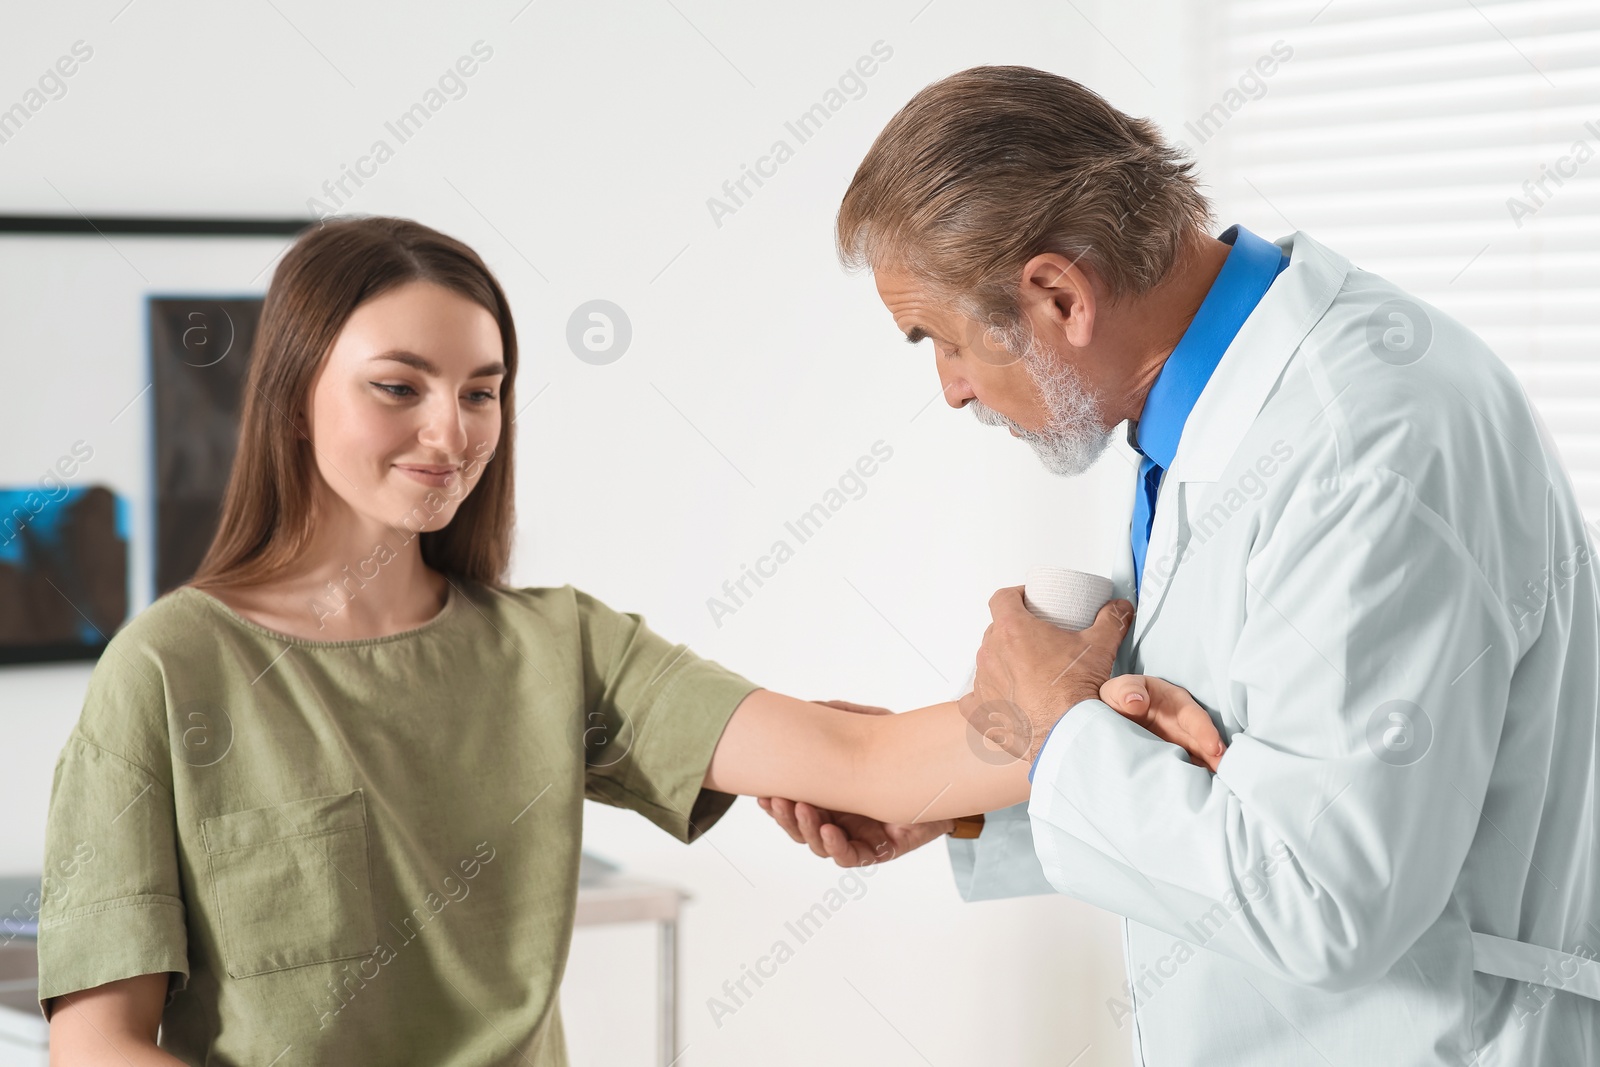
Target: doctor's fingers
(848, 840)
(846, 850)
(991, 681)
(1008, 602)
(812, 821)
(804, 823)
(782, 812)
(1111, 623)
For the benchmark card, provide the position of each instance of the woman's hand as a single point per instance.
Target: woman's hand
(848, 839)
(1169, 712)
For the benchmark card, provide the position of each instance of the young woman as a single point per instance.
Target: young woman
(324, 803)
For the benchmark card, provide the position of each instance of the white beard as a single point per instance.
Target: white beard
(1074, 435)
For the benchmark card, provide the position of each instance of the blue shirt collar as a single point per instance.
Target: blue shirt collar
(1249, 270)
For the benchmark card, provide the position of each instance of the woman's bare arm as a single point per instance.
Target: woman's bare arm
(113, 1024)
(917, 766)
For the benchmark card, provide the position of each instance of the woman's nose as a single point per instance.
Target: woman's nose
(444, 430)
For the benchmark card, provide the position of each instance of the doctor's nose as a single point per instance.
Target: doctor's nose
(957, 391)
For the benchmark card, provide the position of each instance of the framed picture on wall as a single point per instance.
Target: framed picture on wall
(123, 347)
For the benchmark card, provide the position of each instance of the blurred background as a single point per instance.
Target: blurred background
(594, 158)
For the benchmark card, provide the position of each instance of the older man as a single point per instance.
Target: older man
(1351, 542)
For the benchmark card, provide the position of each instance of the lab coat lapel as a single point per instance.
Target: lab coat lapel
(1229, 404)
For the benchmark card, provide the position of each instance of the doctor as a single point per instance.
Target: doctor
(1351, 543)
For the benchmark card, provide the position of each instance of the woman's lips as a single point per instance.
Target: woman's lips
(438, 477)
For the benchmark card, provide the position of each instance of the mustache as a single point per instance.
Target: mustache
(990, 417)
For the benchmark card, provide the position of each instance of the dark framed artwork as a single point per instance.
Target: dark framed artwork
(199, 349)
(123, 347)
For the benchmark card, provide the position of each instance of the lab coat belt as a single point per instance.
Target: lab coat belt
(1523, 962)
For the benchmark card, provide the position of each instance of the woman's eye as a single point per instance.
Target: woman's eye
(477, 396)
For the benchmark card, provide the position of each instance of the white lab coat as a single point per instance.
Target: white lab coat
(1344, 538)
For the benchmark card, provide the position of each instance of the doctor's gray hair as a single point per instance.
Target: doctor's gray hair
(986, 169)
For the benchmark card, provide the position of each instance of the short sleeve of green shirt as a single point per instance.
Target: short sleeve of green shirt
(647, 743)
(111, 902)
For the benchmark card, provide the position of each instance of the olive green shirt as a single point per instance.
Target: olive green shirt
(365, 851)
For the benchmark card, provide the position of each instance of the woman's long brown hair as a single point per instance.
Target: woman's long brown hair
(322, 279)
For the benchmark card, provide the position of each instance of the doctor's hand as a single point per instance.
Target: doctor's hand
(1169, 712)
(848, 839)
(1031, 672)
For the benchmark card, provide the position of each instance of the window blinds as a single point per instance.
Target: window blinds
(1452, 146)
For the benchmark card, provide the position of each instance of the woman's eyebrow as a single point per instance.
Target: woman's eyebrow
(411, 359)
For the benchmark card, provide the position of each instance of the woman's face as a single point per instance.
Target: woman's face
(405, 410)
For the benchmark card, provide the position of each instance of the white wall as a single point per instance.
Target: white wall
(579, 164)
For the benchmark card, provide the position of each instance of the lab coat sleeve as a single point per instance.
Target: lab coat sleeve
(1371, 675)
(1000, 861)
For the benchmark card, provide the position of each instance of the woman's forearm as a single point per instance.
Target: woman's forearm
(917, 766)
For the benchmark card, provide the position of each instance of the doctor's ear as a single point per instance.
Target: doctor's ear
(1058, 294)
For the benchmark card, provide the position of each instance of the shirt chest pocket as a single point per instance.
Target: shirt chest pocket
(292, 883)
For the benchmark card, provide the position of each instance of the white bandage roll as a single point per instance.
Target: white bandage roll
(1069, 599)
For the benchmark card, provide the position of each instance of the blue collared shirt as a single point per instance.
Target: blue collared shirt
(1246, 274)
